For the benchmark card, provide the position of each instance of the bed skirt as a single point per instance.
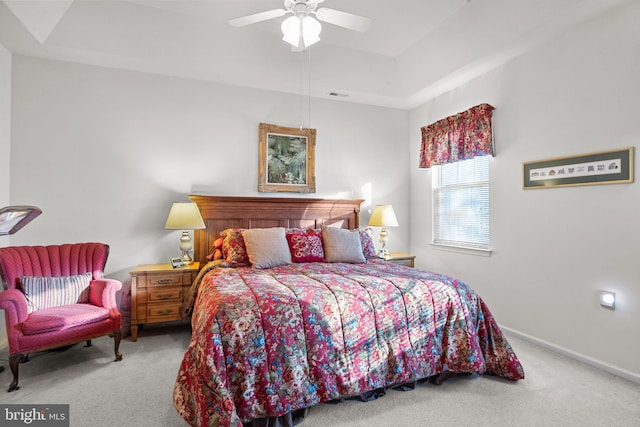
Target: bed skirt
(296, 417)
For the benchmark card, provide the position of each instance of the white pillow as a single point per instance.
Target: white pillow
(342, 245)
(267, 247)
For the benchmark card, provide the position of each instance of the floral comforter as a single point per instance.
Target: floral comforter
(267, 342)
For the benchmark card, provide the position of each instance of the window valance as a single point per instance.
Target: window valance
(459, 137)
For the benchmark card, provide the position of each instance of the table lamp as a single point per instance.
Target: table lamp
(185, 217)
(383, 216)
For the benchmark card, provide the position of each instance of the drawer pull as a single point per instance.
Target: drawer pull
(164, 312)
(164, 296)
(164, 281)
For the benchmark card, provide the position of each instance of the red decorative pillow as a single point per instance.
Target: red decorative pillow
(368, 248)
(305, 247)
(315, 231)
(296, 230)
(233, 248)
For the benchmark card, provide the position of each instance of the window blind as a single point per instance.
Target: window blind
(461, 203)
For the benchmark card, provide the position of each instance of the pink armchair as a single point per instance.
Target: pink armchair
(56, 296)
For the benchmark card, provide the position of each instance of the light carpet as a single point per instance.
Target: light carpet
(557, 390)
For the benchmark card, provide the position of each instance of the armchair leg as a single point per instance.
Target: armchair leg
(14, 362)
(117, 336)
(88, 343)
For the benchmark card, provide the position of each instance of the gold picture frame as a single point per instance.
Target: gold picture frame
(287, 159)
(602, 167)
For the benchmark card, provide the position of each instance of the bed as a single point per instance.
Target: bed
(274, 335)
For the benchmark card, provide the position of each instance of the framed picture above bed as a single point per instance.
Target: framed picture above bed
(287, 159)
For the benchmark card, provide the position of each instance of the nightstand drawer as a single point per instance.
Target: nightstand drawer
(173, 279)
(164, 294)
(163, 312)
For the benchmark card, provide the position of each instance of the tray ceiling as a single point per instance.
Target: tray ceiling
(413, 51)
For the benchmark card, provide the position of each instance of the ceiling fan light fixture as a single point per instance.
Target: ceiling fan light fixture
(291, 30)
(301, 32)
(310, 31)
(302, 28)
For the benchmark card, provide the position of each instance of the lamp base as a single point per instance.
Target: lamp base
(185, 247)
(383, 252)
(186, 259)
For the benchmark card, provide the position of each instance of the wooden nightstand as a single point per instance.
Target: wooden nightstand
(401, 259)
(157, 293)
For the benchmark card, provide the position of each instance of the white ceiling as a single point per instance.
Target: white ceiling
(413, 51)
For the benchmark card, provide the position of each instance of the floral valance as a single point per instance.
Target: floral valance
(460, 137)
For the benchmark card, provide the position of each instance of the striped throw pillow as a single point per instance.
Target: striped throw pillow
(47, 292)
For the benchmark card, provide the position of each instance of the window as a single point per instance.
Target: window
(461, 204)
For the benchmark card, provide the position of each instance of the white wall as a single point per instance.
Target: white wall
(105, 153)
(5, 126)
(5, 150)
(554, 249)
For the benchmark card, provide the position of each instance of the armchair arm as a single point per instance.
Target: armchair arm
(14, 303)
(102, 292)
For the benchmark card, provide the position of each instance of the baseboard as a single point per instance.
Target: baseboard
(628, 375)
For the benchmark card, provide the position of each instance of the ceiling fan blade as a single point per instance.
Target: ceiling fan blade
(257, 17)
(343, 19)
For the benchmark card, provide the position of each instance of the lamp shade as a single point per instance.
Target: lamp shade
(184, 216)
(383, 216)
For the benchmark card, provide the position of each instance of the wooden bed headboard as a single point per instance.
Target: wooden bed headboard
(222, 212)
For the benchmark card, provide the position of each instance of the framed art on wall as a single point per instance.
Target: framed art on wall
(287, 159)
(603, 167)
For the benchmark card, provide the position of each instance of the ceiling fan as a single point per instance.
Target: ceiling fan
(301, 29)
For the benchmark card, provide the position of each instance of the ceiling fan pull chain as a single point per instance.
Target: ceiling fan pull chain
(309, 67)
(300, 78)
